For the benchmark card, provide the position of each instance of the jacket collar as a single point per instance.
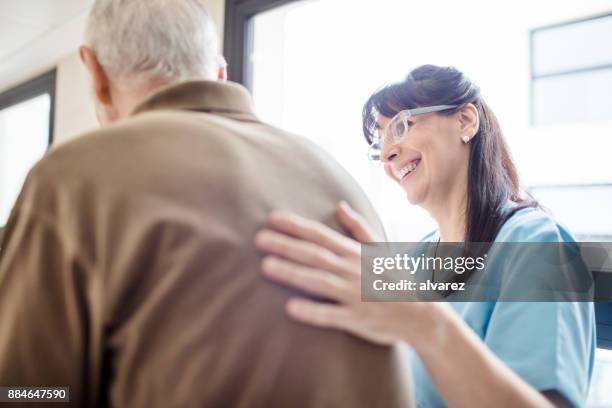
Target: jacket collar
(205, 96)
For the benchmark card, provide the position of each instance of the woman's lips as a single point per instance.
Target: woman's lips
(404, 172)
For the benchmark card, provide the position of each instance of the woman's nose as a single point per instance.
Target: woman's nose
(388, 155)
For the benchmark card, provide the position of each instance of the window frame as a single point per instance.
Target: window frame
(238, 30)
(40, 85)
(533, 77)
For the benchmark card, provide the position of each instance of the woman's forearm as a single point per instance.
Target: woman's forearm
(465, 372)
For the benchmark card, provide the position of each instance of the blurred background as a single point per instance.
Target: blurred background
(544, 66)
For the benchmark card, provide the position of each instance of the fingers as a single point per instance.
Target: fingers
(354, 223)
(311, 280)
(312, 231)
(333, 317)
(300, 251)
(317, 314)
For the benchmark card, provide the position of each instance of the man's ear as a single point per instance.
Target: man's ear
(222, 74)
(222, 71)
(469, 121)
(99, 79)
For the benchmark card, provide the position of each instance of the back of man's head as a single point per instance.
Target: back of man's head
(157, 40)
(134, 46)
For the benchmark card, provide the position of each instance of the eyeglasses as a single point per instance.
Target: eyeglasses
(397, 128)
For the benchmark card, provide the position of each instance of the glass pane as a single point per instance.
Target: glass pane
(584, 210)
(574, 46)
(573, 98)
(24, 137)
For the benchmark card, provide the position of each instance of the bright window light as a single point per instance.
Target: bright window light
(24, 137)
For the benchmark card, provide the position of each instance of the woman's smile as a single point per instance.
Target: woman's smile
(406, 170)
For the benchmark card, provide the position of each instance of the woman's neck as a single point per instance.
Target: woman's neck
(450, 214)
(451, 225)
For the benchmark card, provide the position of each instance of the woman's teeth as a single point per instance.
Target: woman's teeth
(408, 168)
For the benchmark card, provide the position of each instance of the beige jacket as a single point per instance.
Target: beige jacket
(128, 271)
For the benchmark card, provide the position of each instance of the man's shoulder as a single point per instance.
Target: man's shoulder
(177, 124)
(92, 154)
(123, 131)
(114, 141)
(174, 139)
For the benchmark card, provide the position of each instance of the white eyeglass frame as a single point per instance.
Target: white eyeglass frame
(390, 135)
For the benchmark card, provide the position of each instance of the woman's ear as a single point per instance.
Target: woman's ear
(469, 122)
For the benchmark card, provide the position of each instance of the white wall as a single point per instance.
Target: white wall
(74, 112)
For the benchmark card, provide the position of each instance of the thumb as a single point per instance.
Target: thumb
(354, 223)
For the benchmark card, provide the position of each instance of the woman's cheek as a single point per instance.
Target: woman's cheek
(388, 171)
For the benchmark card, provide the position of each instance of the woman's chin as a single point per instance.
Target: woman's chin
(413, 197)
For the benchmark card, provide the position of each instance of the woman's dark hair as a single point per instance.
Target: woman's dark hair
(492, 176)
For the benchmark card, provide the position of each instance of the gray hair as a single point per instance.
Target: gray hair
(141, 41)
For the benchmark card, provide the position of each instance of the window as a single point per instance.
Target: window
(591, 199)
(238, 34)
(311, 64)
(572, 71)
(280, 71)
(26, 130)
(299, 57)
(571, 74)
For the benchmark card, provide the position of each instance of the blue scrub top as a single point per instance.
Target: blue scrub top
(550, 345)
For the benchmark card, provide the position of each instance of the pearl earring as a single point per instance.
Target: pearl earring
(466, 139)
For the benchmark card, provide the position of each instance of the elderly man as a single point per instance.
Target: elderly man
(128, 272)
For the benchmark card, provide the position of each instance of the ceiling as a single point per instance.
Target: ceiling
(24, 21)
(36, 34)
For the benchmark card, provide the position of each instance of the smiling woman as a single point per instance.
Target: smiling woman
(438, 148)
(442, 144)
